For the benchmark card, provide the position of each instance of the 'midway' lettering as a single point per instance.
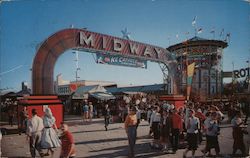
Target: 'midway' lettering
(134, 48)
(148, 52)
(118, 45)
(158, 52)
(99, 43)
(89, 41)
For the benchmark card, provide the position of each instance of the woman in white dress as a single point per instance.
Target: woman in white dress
(49, 138)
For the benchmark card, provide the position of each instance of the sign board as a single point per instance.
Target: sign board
(92, 42)
(120, 60)
(99, 43)
(244, 72)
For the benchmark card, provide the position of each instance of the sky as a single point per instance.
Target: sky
(24, 24)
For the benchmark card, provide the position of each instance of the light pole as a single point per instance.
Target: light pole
(77, 64)
(186, 67)
(248, 75)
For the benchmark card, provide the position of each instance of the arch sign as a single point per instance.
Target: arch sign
(104, 43)
(58, 43)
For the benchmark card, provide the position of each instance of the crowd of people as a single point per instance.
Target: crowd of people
(170, 125)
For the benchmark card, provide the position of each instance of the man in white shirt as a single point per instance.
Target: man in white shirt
(155, 126)
(192, 126)
(34, 132)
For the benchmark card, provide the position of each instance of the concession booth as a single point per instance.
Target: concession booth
(40, 103)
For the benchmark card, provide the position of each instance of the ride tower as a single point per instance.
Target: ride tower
(208, 58)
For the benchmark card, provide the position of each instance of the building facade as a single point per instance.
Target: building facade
(66, 88)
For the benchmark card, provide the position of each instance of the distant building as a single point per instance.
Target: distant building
(208, 57)
(24, 85)
(63, 87)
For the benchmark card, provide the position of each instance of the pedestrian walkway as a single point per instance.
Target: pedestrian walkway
(92, 141)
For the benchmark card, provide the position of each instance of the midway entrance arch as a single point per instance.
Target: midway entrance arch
(58, 43)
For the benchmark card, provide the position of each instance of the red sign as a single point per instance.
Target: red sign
(73, 87)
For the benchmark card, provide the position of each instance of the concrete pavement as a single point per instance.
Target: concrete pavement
(92, 141)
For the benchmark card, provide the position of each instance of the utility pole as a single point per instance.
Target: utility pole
(77, 65)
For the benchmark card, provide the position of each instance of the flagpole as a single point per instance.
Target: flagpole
(194, 25)
(248, 77)
(233, 72)
(187, 76)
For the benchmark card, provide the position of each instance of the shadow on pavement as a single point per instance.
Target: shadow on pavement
(101, 140)
(98, 130)
(141, 150)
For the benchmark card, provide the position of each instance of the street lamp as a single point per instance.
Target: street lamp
(77, 64)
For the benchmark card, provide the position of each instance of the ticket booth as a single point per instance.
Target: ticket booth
(176, 100)
(40, 103)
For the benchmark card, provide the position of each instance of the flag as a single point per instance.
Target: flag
(222, 33)
(199, 30)
(228, 37)
(194, 21)
(213, 32)
(190, 73)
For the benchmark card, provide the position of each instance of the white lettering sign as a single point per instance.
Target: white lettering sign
(87, 40)
(118, 45)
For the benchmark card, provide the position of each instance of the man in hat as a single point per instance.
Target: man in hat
(34, 132)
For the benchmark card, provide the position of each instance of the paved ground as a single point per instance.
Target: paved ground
(92, 141)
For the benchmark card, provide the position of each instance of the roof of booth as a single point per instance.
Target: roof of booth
(146, 88)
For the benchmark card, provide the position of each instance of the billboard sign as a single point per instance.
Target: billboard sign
(244, 72)
(99, 43)
(120, 61)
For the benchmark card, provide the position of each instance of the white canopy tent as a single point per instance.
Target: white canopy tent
(96, 91)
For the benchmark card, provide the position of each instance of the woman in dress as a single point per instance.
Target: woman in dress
(49, 138)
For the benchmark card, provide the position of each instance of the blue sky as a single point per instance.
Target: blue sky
(26, 23)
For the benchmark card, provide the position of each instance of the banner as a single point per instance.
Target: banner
(120, 60)
(190, 73)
